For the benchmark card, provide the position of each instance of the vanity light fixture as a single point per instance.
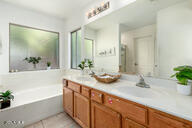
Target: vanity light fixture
(98, 10)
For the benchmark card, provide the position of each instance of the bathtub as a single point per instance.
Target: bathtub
(33, 103)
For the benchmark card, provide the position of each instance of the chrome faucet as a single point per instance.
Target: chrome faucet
(142, 83)
(92, 73)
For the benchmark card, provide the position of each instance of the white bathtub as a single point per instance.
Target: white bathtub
(33, 103)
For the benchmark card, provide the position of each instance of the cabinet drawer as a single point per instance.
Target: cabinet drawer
(157, 120)
(85, 92)
(73, 86)
(96, 96)
(131, 124)
(127, 109)
(64, 83)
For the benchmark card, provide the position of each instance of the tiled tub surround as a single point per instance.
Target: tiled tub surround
(166, 99)
(21, 81)
(38, 95)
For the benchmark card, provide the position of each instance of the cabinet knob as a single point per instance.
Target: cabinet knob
(110, 101)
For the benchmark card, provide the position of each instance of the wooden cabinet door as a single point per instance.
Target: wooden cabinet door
(131, 124)
(68, 101)
(82, 110)
(159, 121)
(103, 117)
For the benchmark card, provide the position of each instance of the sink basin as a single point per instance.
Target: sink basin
(139, 92)
(84, 78)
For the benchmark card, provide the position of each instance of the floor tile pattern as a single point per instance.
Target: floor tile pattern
(61, 120)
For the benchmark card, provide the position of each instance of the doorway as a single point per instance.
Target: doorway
(144, 55)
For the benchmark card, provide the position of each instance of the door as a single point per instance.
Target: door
(68, 101)
(131, 124)
(144, 55)
(82, 110)
(123, 58)
(103, 117)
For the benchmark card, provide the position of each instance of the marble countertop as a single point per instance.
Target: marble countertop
(156, 97)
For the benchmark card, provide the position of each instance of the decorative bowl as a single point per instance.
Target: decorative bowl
(107, 78)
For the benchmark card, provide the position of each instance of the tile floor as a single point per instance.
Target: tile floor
(61, 120)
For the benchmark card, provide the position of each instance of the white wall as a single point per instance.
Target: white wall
(107, 38)
(174, 37)
(12, 14)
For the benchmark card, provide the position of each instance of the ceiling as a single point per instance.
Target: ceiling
(58, 8)
(135, 15)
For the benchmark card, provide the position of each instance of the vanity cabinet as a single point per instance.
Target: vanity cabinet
(103, 117)
(76, 103)
(82, 110)
(92, 108)
(68, 100)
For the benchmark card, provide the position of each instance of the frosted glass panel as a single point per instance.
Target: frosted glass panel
(75, 49)
(29, 42)
(89, 49)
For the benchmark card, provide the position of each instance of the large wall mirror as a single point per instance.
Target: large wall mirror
(33, 49)
(145, 37)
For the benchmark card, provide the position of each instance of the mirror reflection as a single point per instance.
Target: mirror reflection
(150, 41)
